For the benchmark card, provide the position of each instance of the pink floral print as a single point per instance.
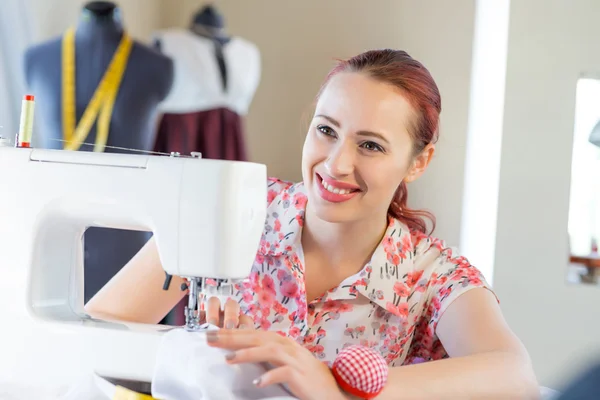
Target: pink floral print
(392, 305)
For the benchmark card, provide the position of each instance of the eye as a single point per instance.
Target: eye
(372, 146)
(324, 129)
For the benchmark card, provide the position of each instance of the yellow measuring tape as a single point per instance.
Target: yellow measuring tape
(104, 96)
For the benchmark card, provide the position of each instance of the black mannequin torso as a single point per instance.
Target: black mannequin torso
(147, 81)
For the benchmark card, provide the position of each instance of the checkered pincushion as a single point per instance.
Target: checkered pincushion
(360, 371)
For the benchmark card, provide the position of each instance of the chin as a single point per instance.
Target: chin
(329, 214)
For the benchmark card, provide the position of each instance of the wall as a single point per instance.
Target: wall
(52, 17)
(547, 52)
(298, 46)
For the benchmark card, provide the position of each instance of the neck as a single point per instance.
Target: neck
(216, 34)
(348, 246)
(100, 22)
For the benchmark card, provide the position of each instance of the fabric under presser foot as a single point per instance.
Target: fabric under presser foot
(187, 368)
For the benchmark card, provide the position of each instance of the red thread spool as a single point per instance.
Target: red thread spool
(360, 371)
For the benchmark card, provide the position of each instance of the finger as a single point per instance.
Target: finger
(213, 311)
(231, 314)
(246, 322)
(236, 339)
(297, 383)
(273, 353)
(285, 374)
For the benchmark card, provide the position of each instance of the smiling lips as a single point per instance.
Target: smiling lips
(335, 191)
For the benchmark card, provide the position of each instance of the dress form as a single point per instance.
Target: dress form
(146, 82)
(216, 77)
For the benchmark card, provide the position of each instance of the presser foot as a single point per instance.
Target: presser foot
(200, 290)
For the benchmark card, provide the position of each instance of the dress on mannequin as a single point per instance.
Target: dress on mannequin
(146, 81)
(216, 77)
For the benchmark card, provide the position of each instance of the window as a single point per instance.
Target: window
(584, 206)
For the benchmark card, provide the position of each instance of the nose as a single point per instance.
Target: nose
(340, 161)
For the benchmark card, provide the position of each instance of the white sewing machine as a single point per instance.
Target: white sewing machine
(195, 208)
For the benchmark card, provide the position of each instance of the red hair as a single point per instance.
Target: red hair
(398, 69)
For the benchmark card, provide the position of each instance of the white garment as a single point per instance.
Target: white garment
(187, 368)
(197, 84)
(91, 387)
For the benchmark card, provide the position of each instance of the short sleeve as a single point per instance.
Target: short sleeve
(452, 277)
(274, 187)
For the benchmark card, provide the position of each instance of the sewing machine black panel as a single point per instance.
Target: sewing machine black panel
(136, 386)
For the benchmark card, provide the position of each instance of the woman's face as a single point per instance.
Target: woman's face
(358, 149)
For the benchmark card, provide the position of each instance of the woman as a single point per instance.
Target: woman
(343, 260)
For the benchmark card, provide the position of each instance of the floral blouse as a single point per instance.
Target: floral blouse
(392, 305)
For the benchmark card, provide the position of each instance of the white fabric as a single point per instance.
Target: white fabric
(92, 387)
(197, 84)
(188, 369)
(548, 394)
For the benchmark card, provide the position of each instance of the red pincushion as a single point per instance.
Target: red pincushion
(360, 371)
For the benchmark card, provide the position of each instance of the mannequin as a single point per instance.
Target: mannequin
(146, 81)
(216, 77)
(209, 23)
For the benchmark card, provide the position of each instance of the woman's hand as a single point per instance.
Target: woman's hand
(305, 376)
(228, 318)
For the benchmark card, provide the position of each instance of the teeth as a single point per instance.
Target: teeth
(334, 189)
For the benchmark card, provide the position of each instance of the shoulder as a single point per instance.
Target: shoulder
(161, 63)
(41, 59)
(276, 187)
(149, 53)
(446, 263)
(162, 72)
(286, 203)
(423, 267)
(244, 47)
(41, 52)
(450, 273)
(41, 49)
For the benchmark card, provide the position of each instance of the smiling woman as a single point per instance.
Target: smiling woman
(343, 261)
(407, 100)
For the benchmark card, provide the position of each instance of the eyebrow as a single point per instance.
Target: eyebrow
(359, 133)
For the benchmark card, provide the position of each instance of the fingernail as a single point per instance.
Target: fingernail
(212, 336)
(213, 322)
(256, 382)
(230, 356)
(243, 326)
(229, 325)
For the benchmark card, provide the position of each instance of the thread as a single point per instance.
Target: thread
(26, 123)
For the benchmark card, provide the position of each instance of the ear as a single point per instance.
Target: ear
(420, 163)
